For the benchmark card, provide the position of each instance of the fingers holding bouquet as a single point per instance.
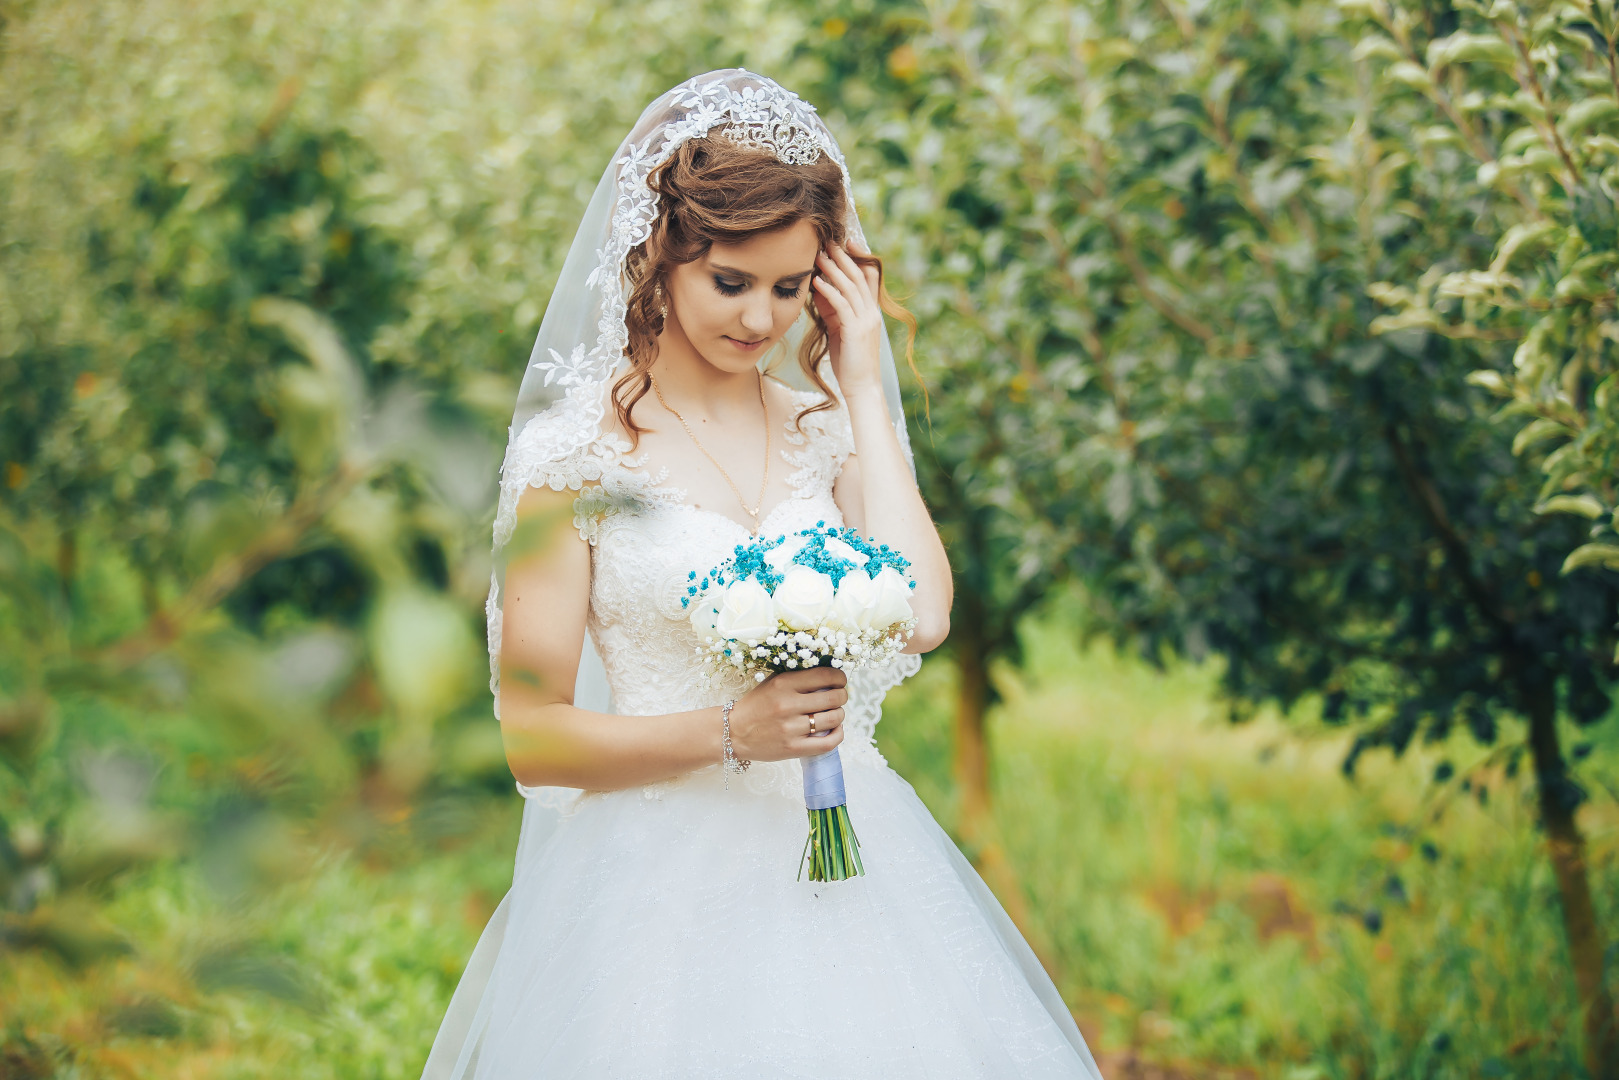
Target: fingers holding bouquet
(774, 721)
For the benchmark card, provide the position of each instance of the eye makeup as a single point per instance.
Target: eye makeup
(736, 288)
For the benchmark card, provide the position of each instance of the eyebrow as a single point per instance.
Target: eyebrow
(734, 272)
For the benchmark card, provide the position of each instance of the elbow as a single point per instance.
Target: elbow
(534, 770)
(536, 754)
(527, 767)
(526, 771)
(929, 634)
(932, 618)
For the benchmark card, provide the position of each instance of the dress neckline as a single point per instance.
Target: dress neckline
(665, 494)
(654, 485)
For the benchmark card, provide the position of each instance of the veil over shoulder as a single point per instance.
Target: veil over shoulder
(581, 341)
(611, 955)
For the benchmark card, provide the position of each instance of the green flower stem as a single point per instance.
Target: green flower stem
(832, 849)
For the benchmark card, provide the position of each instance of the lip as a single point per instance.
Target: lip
(747, 346)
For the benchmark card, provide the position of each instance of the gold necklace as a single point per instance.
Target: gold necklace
(763, 482)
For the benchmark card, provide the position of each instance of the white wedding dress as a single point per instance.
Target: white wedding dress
(659, 932)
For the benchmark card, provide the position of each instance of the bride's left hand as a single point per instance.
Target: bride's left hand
(846, 298)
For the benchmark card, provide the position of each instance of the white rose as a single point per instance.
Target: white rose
(746, 613)
(891, 599)
(703, 611)
(803, 598)
(851, 607)
(840, 550)
(779, 556)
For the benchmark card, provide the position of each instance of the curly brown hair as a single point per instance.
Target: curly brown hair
(713, 190)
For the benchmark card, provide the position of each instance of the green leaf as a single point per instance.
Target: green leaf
(1535, 159)
(1413, 75)
(1379, 46)
(309, 414)
(1470, 48)
(1597, 219)
(1600, 555)
(1536, 432)
(1606, 144)
(1491, 381)
(1412, 318)
(1585, 113)
(321, 343)
(1584, 505)
(1582, 286)
(1526, 104)
(1604, 393)
(1519, 140)
(1524, 234)
(421, 649)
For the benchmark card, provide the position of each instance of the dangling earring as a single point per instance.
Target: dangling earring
(663, 305)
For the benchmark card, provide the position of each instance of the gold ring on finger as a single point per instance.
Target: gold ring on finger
(812, 725)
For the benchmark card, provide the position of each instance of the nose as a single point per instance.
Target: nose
(757, 317)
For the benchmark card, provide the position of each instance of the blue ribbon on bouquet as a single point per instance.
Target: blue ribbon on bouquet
(832, 849)
(823, 781)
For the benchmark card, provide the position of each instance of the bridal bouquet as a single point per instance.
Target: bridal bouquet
(818, 596)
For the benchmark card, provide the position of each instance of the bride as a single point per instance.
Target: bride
(713, 365)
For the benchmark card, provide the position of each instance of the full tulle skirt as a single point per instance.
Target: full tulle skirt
(661, 935)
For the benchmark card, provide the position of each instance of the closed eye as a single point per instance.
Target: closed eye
(736, 288)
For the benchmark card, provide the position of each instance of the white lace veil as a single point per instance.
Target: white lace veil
(581, 342)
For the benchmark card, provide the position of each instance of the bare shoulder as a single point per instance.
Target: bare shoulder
(540, 501)
(546, 531)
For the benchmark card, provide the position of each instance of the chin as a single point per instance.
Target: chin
(728, 358)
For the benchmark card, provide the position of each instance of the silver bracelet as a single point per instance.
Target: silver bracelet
(731, 762)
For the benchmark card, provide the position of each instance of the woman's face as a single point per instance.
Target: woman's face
(739, 299)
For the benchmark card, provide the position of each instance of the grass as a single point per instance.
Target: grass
(342, 973)
(1223, 895)
(1211, 897)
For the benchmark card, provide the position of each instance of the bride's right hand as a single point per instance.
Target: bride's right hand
(771, 722)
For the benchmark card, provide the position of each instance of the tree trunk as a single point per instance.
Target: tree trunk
(971, 765)
(972, 750)
(1566, 846)
(67, 564)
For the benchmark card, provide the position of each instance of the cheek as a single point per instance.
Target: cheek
(787, 312)
(698, 307)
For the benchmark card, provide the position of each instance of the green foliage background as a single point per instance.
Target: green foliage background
(1277, 338)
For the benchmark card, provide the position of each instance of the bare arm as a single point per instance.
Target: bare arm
(549, 741)
(877, 493)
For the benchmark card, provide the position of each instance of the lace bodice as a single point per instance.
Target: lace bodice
(645, 539)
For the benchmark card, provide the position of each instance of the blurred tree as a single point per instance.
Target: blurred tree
(267, 276)
(51, 848)
(1527, 100)
(1157, 238)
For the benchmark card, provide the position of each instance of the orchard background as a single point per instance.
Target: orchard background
(1269, 407)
